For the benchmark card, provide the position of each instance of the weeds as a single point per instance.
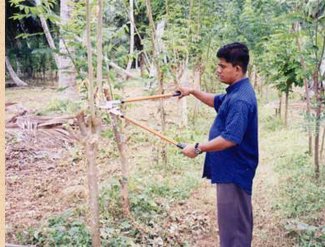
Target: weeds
(301, 198)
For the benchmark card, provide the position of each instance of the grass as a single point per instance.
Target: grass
(156, 189)
(301, 199)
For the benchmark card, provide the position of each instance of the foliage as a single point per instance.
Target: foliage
(60, 230)
(298, 198)
(303, 200)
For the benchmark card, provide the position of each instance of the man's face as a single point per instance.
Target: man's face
(226, 72)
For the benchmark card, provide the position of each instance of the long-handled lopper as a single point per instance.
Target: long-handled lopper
(114, 109)
(113, 103)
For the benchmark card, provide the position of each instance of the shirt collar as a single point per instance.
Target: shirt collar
(236, 85)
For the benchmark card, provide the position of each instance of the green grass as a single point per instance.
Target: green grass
(301, 199)
(155, 189)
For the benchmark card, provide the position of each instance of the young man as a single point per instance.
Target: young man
(232, 150)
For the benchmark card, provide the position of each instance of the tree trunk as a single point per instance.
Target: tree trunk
(318, 119)
(199, 22)
(255, 77)
(91, 147)
(136, 31)
(48, 35)
(286, 107)
(160, 78)
(184, 80)
(91, 154)
(322, 146)
(280, 105)
(100, 48)
(13, 74)
(124, 162)
(67, 73)
(303, 65)
(131, 36)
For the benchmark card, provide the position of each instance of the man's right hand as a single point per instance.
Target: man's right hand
(185, 91)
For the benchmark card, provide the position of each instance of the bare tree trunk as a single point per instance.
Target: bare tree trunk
(261, 87)
(286, 107)
(67, 73)
(48, 35)
(136, 30)
(160, 78)
(280, 105)
(13, 74)
(131, 36)
(303, 65)
(184, 80)
(255, 77)
(317, 126)
(100, 48)
(322, 146)
(199, 22)
(91, 147)
(124, 162)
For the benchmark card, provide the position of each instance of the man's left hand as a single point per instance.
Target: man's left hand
(189, 151)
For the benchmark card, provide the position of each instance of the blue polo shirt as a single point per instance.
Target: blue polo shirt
(236, 121)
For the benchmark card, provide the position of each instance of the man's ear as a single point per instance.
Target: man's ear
(238, 68)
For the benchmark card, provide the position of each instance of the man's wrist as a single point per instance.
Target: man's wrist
(197, 148)
(203, 147)
(192, 91)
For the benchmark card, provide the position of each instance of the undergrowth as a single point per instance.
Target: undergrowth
(155, 191)
(301, 199)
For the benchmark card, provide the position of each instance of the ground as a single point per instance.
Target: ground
(42, 180)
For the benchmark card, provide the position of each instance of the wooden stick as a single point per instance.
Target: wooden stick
(149, 97)
(151, 131)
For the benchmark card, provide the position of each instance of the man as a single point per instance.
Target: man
(232, 150)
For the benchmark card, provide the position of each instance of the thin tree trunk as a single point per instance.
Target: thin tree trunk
(91, 147)
(322, 146)
(100, 48)
(303, 65)
(286, 107)
(280, 105)
(317, 126)
(160, 78)
(124, 162)
(67, 72)
(255, 78)
(261, 88)
(185, 79)
(48, 35)
(184, 100)
(13, 74)
(136, 31)
(131, 36)
(199, 21)
(166, 7)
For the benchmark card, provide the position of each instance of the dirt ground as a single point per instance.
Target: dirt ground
(42, 180)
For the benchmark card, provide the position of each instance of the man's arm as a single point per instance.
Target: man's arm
(206, 98)
(216, 144)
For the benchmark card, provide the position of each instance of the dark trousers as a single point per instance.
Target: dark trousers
(235, 217)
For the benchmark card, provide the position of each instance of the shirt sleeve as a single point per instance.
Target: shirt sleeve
(218, 99)
(236, 122)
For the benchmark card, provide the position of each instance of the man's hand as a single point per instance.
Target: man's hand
(189, 151)
(185, 91)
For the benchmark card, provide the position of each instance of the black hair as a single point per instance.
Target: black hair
(236, 54)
